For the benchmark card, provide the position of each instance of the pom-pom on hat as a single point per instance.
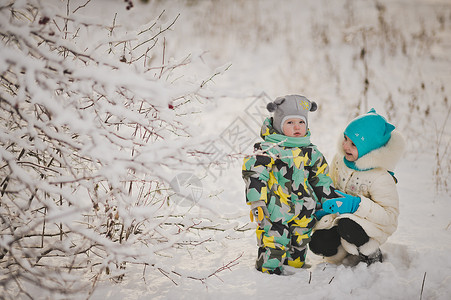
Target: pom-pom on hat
(290, 106)
(369, 132)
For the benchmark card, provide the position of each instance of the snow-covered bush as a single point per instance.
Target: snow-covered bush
(93, 128)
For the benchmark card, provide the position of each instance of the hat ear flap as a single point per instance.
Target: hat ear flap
(313, 106)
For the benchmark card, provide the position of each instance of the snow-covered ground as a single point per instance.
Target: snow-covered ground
(315, 48)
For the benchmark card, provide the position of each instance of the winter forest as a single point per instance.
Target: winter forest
(124, 125)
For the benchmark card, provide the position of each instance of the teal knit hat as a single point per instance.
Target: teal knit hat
(369, 132)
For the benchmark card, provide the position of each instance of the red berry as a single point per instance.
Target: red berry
(44, 20)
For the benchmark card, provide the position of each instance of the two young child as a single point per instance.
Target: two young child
(287, 182)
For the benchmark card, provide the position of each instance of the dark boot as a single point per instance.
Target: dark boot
(372, 258)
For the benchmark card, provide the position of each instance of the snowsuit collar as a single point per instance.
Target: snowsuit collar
(269, 134)
(385, 157)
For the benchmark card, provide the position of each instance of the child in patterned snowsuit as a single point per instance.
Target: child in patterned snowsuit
(363, 167)
(286, 178)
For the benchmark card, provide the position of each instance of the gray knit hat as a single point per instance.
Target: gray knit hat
(290, 106)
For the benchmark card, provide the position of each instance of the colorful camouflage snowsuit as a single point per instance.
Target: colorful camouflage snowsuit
(290, 177)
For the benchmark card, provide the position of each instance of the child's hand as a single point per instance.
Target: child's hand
(346, 205)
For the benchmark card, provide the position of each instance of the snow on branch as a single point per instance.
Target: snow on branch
(92, 132)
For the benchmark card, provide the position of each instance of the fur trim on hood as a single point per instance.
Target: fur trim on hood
(385, 157)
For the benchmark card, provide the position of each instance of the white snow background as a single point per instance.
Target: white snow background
(323, 50)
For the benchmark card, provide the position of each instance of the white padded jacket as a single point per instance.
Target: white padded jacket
(379, 207)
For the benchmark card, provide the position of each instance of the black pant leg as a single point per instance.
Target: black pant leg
(352, 232)
(325, 242)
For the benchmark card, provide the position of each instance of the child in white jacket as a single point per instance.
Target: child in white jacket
(363, 168)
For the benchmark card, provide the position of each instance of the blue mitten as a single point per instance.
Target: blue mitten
(346, 205)
(320, 213)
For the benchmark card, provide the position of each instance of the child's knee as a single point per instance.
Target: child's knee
(325, 242)
(352, 232)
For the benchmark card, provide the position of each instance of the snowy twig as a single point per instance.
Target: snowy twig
(91, 141)
(227, 266)
(422, 286)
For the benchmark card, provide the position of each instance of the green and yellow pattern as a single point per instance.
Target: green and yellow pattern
(291, 176)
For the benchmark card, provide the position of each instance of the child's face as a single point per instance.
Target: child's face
(350, 149)
(294, 127)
